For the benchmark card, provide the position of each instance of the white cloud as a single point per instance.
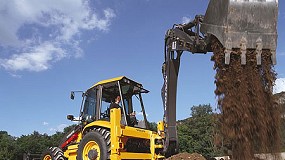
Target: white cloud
(45, 123)
(279, 85)
(15, 75)
(141, 114)
(59, 128)
(186, 19)
(37, 59)
(37, 33)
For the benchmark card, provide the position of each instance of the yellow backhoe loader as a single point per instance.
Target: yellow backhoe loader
(116, 133)
(105, 133)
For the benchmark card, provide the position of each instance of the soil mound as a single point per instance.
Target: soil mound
(186, 156)
(250, 115)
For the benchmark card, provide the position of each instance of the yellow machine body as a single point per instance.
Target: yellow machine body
(118, 134)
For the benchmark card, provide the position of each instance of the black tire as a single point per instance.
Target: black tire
(107, 136)
(91, 139)
(53, 153)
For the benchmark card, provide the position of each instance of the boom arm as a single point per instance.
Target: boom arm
(178, 39)
(239, 25)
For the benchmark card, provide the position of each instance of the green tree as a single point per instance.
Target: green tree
(152, 126)
(7, 146)
(33, 143)
(12, 148)
(196, 133)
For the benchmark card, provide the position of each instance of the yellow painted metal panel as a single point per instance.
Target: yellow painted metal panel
(71, 147)
(108, 81)
(115, 133)
(136, 132)
(118, 132)
(79, 137)
(127, 155)
(100, 123)
(71, 152)
(114, 80)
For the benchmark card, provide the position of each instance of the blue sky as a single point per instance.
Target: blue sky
(50, 47)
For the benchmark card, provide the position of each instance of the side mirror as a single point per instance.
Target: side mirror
(72, 95)
(70, 117)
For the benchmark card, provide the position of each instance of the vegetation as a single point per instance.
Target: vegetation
(12, 148)
(152, 126)
(198, 133)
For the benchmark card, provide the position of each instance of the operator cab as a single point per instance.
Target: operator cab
(98, 98)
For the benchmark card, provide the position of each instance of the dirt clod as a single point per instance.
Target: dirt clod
(250, 117)
(187, 156)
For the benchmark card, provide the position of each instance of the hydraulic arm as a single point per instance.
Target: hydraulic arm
(178, 39)
(239, 25)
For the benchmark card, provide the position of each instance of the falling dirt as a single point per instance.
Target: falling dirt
(186, 156)
(250, 117)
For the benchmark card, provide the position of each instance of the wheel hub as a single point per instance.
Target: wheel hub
(91, 151)
(47, 157)
(92, 154)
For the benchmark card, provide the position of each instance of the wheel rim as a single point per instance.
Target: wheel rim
(47, 157)
(91, 145)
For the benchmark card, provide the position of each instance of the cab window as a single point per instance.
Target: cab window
(89, 109)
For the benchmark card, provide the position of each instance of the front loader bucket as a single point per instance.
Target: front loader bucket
(244, 24)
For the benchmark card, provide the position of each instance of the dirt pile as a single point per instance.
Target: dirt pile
(187, 156)
(250, 117)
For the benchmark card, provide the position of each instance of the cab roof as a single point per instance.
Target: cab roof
(121, 78)
(109, 81)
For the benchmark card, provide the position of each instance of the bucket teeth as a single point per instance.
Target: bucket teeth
(258, 50)
(227, 57)
(273, 57)
(243, 58)
(243, 50)
(258, 58)
(273, 52)
(228, 51)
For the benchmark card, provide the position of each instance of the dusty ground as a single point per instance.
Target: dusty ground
(186, 156)
(250, 117)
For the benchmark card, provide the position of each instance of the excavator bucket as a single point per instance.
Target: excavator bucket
(243, 24)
